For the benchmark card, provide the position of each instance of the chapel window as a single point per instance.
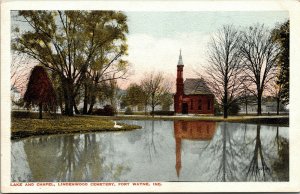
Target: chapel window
(199, 104)
(208, 104)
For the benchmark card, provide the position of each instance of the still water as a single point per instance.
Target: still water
(160, 151)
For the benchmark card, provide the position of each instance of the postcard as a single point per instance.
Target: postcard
(150, 96)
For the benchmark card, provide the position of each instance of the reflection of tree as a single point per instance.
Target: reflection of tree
(255, 170)
(72, 158)
(281, 165)
(228, 166)
(150, 144)
(68, 159)
(19, 165)
(41, 154)
(112, 170)
(90, 161)
(224, 154)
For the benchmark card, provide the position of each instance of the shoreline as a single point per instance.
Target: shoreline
(26, 134)
(30, 126)
(91, 123)
(264, 120)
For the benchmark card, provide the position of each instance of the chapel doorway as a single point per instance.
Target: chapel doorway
(185, 108)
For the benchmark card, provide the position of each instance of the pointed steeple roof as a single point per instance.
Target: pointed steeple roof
(180, 62)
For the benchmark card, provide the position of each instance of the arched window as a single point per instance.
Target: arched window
(199, 104)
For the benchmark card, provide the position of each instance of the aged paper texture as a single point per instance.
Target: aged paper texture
(167, 154)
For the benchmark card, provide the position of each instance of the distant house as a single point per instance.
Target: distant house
(268, 105)
(117, 102)
(192, 95)
(15, 96)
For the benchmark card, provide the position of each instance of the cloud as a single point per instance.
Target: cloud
(148, 53)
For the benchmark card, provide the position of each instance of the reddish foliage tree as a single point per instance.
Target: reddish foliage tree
(40, 90)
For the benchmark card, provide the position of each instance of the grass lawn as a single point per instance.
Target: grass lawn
(30, 126)
(25, 124)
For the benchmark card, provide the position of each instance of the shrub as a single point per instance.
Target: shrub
(128, 111)
(32, 115)
(162, 112)
(217, 108)
(234, 108)
(21, 114)
(108, 110)
(98, 111)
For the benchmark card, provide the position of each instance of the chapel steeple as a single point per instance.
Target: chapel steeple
(179, 79)
(180, 62)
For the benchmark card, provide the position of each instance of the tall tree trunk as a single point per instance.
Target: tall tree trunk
(40, 111)
(75, 107)
(85, 100)
(152, 103)
(246, 107)
(152, 111)
(66, 104)
(145, 108)
(259, 96)
(278, 102)
(225, 114)
(225, 106)
(70, 106)
(69, 96)
(259, 105)
(93, 101)
(60, 103)
(225, 100)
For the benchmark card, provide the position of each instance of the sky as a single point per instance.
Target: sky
(155, 38)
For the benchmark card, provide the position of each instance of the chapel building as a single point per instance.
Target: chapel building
(192, 95)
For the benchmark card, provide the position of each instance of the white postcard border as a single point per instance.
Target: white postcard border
(292, 6)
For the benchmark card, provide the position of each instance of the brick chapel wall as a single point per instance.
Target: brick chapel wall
(198, 104)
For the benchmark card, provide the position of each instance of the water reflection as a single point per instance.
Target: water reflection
(281, 165)
(71, 158)
(160, 151)
(258, 166)
(191, 130)
(225, 152)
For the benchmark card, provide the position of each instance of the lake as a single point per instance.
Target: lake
(161, 151)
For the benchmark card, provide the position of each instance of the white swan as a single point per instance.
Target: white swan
(117, 126)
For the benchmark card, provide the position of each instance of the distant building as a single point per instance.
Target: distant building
(15, 96)
(192, 96)
(268, 105)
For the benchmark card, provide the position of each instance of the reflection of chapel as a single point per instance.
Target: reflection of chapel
(191, 130)
(192, 96)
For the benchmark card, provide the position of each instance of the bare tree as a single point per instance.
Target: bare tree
(155, 86)
(275, 88)
(20, 67)
(224, 71)
(260, 56)
(245, 95)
